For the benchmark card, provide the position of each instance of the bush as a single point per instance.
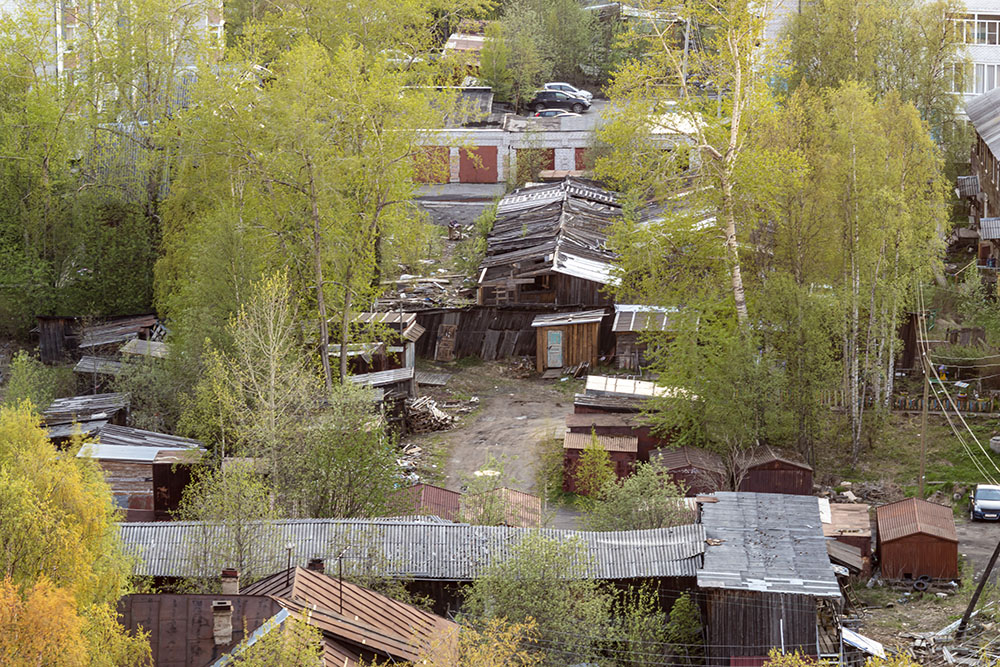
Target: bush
(33, 381)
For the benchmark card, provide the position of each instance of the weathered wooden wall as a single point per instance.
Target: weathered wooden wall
(552, 289)
(919, 554)
(493, 332)
(580, 344)
(132, 487)
(750, 623)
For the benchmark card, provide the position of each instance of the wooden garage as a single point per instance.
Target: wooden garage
(916, 538)
(621, 450)
(567, 339)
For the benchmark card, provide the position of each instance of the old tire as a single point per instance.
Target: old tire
(921, 585)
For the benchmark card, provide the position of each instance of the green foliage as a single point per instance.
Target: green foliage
(594, 471)
(494, 63)
(646, 499)
(549, 472)
(31, 380)
(236, 498)
(528, 59)
(153, 390)
(549, 588)
(471, 250)
(294, 643)
(684, 630)
(639, 634)
(482, 503)
(59, 528)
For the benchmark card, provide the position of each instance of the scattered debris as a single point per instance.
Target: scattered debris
(423, 416)
(433, 379)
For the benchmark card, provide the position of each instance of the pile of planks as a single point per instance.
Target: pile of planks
(423, 416)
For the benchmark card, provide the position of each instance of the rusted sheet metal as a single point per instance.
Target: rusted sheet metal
(913, 516)
(609, 443)
(918, 554)
(427, 499)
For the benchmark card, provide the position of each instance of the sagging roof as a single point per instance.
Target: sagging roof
(429, 499)
(687, 457)
(383, 378)
(984, 112)
(967, 186)
(629, 318)
(123, 443)
(409, 549)
(565, 319)
(95, 407)
(989, 229)
(89, 365)
(915, 516)
(353, 616)
(405, 324)
(553, 228)
(768, 543)
(609, 443)
(117, 330)
(147, 348)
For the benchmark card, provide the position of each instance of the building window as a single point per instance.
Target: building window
(977, 29)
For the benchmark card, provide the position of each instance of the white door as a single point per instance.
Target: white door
(553, 349)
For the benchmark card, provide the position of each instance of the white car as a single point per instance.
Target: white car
(570, 90)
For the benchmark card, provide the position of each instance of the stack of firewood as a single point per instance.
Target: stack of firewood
(423, 416)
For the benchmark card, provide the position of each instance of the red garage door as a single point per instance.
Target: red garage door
(580, 159)
(432, 165)
(478, 165)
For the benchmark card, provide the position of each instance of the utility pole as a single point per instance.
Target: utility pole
(975, 596)
(925, 364)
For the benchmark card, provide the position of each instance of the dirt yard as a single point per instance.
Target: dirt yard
(512, 417)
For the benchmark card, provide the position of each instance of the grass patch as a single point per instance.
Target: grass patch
(435, 460)
(468, 362)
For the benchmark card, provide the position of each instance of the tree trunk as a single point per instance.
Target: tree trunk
(739, 294)
(345, 317)
(324, 331)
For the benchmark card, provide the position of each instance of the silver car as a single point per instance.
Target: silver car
(570, 90)
(985, 503)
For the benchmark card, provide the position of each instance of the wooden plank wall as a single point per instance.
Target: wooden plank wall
(580, 343)
(749, 623)
(495, 332)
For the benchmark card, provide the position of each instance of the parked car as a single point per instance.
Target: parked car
(570, 90)
(554, 113)
(555, 99)
(985, 502)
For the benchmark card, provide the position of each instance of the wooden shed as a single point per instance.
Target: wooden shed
(916, 538)
(612, 423)
(147, 471)
(567, 339)
(621, 449)
(631, 323)
(771, 471)
(700, 471)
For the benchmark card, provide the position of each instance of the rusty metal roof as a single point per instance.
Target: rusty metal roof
(687, 457)
(353, 614)
(609, 443)
(428, 499)
(913, 516)
(519, 508)
(764, 455)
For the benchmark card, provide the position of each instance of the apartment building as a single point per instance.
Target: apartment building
(979, 31)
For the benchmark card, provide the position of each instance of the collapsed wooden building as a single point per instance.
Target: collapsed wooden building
(549, 245)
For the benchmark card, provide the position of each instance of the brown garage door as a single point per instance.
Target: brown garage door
(478, 165)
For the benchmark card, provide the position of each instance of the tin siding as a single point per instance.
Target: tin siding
(919, 554)
(747, 623)
(778, 477)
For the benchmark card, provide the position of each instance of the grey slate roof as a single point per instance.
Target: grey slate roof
(984, 112)
(413, 549)
(769, 542)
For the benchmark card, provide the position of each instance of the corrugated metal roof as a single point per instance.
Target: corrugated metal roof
(984, 112)
(137, 437)
(640, 318)
(989, 229)
(913, 516)
(429, 499)
(122, 443)
(764, 455)
(429, 551)
(687, 457)
(609, 443)
(563, 319)
(382, 378)
(967, 186)
(117, 330)
(520, 508)
(768, 542)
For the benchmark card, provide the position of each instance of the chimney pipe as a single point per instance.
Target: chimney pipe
(230, 582)
(222, 622)
(316, 565)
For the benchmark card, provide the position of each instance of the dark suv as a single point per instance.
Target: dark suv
(554, 99)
